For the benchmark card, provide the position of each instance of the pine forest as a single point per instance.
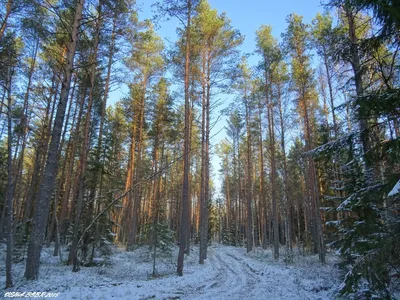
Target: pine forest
(154, 149)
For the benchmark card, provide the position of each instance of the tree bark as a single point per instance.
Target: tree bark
(86, 146)
(183, 227)
(5, 20)
(263, 201)
(289, 225)
(46, 188)
(25, 123)
(203, 233)
(41, 151)
(271, 135)
(358, 78)
(249, 185)
(10, 182)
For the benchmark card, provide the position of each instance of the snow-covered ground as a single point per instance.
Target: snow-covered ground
(228, 273)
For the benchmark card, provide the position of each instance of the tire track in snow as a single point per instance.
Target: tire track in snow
(249, 274)
(234, 279)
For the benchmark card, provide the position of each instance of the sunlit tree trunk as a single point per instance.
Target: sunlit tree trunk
(183, 228)
(42, 206)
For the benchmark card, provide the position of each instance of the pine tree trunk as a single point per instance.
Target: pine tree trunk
(25, 123)
(207, 195)
(10, 181)
(99, 194)
(5, 18)
(263, 201)
(358, 78)
(86, 147)
(127, 203)
(59, 181)
(288, 215)
(183, 227)
(65, 180)
(271, 134)
(312, 189)
(249, 185)
(203, 233)
(137, 193)
(66, 209)
(228, 205)
(41, 149)
(189, 205)
(42, 206)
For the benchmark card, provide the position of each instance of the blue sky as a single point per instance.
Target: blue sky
(246, 16)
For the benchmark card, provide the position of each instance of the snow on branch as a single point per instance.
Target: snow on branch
(395, 190)
(378, 104)
(333, 145)
(357, 195)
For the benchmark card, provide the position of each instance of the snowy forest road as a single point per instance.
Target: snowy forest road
(228, 273)
(231, 273)
(232, 277)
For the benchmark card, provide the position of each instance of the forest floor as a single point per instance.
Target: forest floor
(228, 273)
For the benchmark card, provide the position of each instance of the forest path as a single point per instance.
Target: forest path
(231, 273)
(228, 273)
(234, 278)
